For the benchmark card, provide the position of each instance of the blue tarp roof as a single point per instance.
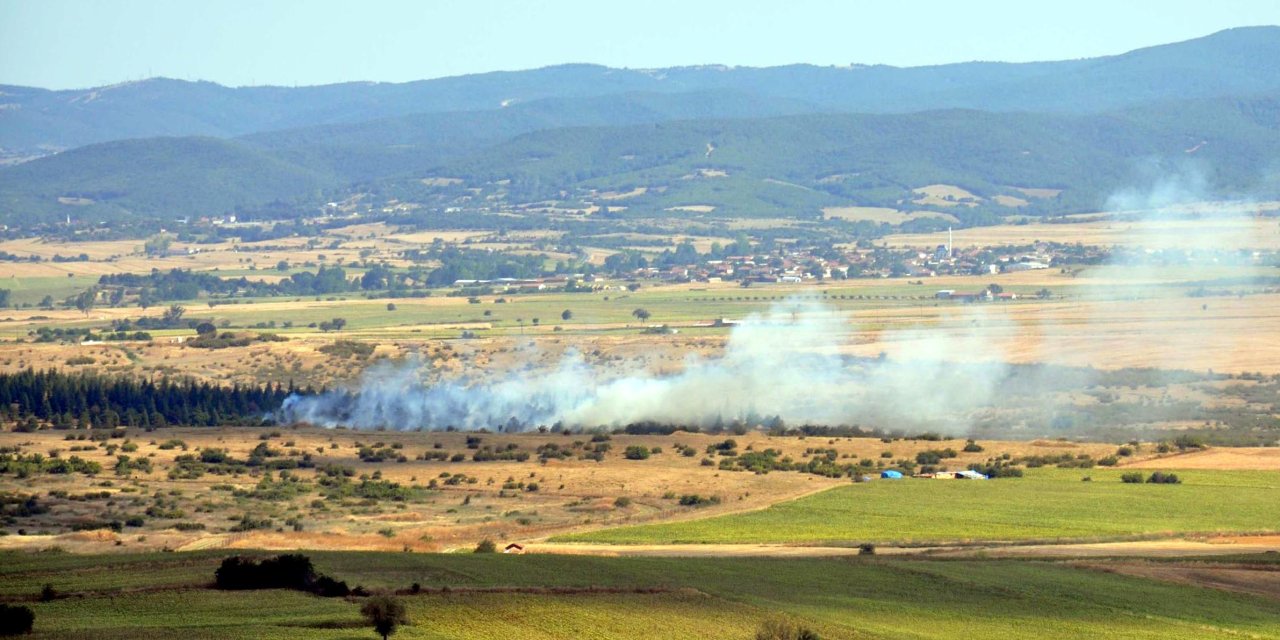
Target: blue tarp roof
(890, 474)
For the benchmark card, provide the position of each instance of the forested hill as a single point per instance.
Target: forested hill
(1233, 62)
(789, 165)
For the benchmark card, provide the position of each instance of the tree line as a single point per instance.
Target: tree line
(87, 400)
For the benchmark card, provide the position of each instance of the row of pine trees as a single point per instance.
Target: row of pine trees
(32, 399)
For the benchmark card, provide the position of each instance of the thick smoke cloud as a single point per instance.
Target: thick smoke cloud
(786, 363)
(779, 365)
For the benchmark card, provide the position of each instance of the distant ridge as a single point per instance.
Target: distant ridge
(1233, 62)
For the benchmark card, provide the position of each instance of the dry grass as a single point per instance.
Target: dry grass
(882, 214)
(1228, 334)
(945, 195)
(1010, 201)
(574, 495)
(1038, 192)
(1243, 232)
(1262, 459)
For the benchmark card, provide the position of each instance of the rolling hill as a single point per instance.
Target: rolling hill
(785, 165)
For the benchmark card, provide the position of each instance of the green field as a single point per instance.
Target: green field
(1047, 504)
(547, 596)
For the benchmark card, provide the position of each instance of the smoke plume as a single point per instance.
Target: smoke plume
(780, 365)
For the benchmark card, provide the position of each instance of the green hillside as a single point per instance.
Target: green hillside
(167, 178)
(784, 166)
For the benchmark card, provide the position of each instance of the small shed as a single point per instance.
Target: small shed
(513, 548)
(890, 474)
(969, 474)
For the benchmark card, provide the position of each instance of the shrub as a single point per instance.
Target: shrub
(637, 452)
(972, 447)
(695, 500)
(15, 619)
(486, 546)
(1133, 477)
(289, 571)
(48, 593)
(327, 587)
(622, 502)
(783, 629)
(1160, 477)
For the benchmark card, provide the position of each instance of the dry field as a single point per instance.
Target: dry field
(1236, 231)
(882, 214)
(1222, 334)
(1259, 580)
(945, 195)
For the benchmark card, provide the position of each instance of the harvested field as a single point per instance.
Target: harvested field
(1244, 231)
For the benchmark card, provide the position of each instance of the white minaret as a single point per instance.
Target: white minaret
(948, 242)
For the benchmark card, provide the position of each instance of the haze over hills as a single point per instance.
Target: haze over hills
(1236, 61)
(838, 135)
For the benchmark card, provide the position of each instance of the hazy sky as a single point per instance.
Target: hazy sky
(80, 43)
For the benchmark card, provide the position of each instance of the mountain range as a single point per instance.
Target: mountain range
(783, 140)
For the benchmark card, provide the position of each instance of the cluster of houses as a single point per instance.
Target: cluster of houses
(795, 265)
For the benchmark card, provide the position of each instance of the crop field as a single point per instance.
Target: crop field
(1047, 504)
(542, 596)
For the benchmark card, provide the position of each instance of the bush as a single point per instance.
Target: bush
(1160, 477)
(1133, 477)
(15, 620)
(783, 629)
(622, 502)
(972, 447)
(486, 546)
(695, 500)
(327, 587)
(290, 571)
(637, 452)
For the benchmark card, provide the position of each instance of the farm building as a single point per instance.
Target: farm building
(890, 474)
(513, 548)
(969, 474)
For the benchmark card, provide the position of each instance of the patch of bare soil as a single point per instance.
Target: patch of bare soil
(1259, 580)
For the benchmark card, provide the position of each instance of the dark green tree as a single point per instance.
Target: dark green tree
(385, 613)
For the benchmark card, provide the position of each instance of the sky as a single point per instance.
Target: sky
(65, 44)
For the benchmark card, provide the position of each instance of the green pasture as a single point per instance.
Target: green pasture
(549, 596)
(1047, 504)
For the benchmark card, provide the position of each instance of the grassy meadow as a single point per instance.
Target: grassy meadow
(548, 596)
(1047, 504)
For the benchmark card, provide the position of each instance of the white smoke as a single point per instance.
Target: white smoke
(787, 364)
(783, 364)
